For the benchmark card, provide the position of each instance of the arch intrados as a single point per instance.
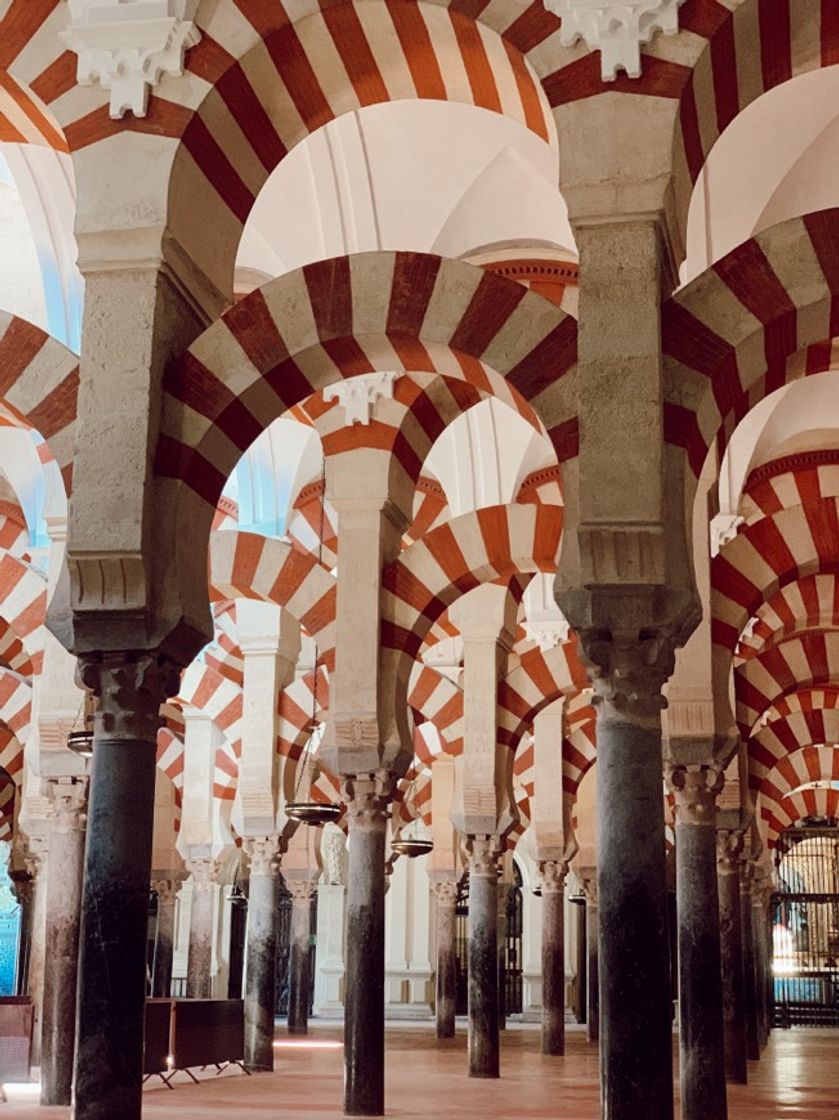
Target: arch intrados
(820, 760)
(822, 669)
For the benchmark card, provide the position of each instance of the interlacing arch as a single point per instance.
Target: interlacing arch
(30, 79)
(23, 594)
(15, 721)
(208, 691)
(811, 603)
(39, 384)
(804, 661)
(821, 801)
(728, 335)
(778, 746)
(540, 678)
(807, 766)
(792, 480)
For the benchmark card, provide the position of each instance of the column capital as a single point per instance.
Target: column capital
(264, 854)
(129, 689)
(22, 885)
(203, 871)
(729, 850)
(367, 797)
(552, 875)
(483, 855)
(445, 891)
(628, 671)
(588, 882)
(35, 856)
(68, 810)
(301, 890)
(167, 889)
(695, 789)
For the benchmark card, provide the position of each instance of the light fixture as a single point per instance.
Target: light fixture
(411, 846)
(81, 742)
(313, 812)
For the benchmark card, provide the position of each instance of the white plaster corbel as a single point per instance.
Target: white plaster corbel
(617, 30)
(357, 395)
(724, 528)
(128, 46)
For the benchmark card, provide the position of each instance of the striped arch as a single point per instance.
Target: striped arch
(801, 768)
(263, 83)
(14, 532)
(39, 384)
(792, 480)
(216, 696)
(804, 700)
(820, 802)
(540, 678)
(33, 65)
(773, 749)
(332, 320)
(747, 52)
(805, 661)
(728, 336)
(15, 721)
(23, 605)
(440, 701)
(811, 603)
(431, 509)
(249, 566)
(8, 801)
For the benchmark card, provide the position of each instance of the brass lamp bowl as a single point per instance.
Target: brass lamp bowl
(81, 742)
(411, 846)
(313, 812)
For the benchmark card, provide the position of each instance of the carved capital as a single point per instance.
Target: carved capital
(445, 891)
(616, 29)
(334, 850)
(203, 871)
(729, 851)
(483, 855)
(628, 673)
(367, 797)
(695, 789)
(166, 889)
(68, 809)
(23, 886)
(552, 875)
(264, 854)
(129, 689)
(301, 891)
(35, 857)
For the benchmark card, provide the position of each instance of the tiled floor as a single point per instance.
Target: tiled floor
(797, 1079)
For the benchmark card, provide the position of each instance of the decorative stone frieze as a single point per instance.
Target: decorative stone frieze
(617, 30)
(358, 395)
(128, 47)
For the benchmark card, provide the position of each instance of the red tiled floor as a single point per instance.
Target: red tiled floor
(797, 1079)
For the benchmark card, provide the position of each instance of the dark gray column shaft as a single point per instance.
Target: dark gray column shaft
(65, 868)
(483, 1041)
(299, 978)
(164, 941)
(553, 958)
(115, 899)
(502, 893)
(750, 990)
(364, 1004)
(260, 954)
(702, 1051)
(636, 1062)
(445, 1004)
(729, 846)
(592, 970)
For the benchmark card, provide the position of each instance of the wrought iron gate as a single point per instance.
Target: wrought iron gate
(510, 958)
(805, 928)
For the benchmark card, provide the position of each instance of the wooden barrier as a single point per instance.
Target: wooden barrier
(16, 1019)
(182, 1034)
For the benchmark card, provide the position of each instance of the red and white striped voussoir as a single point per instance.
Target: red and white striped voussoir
(221, 700)
(14, 533)
(803, 661)
(809, 764)
(767, 556)
(350, 315)
(249, 566)
(34, 67)
(15, 722)
(821, 802)
(811, 603)
(295, 712)
(497, 542)
(793, 480)
(225, 656)
(39, 383)
(23, 595)
(8, 797)
(728, 335)
(805, 700)
(540, 678)
(431, 508)
(170, 755)
(776, 744)
(579, 753)
(440, 701)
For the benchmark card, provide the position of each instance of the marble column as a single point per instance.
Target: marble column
(592, 951)
(299, 974)
(261, 952)
(445, 1003)
(65, 868)
(760, 925)
(129, 690)
(750, 990)
(581, 989)
(164, 939)
(702, 1062)
(36, 865)
(552, 880)
(483, 1041)
(503, 893)
(633, 959)
(367, 797)
(729, 847)
(24, 893)
(199, 968)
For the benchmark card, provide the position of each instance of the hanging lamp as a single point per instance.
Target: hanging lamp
(410, 846)
(317, 813)
(80, 739)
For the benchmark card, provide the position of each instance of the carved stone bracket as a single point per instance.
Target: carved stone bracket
(695, 789)
(617, 30)
(129, 689)
(68, 812)
(301, 891)
(552, 875)
(334, 849)
(483, 855)
(357, 395)
(203, 871)
(264, 854)
(128, 47)
(445, 891)
(729, 851)
(367, 797)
